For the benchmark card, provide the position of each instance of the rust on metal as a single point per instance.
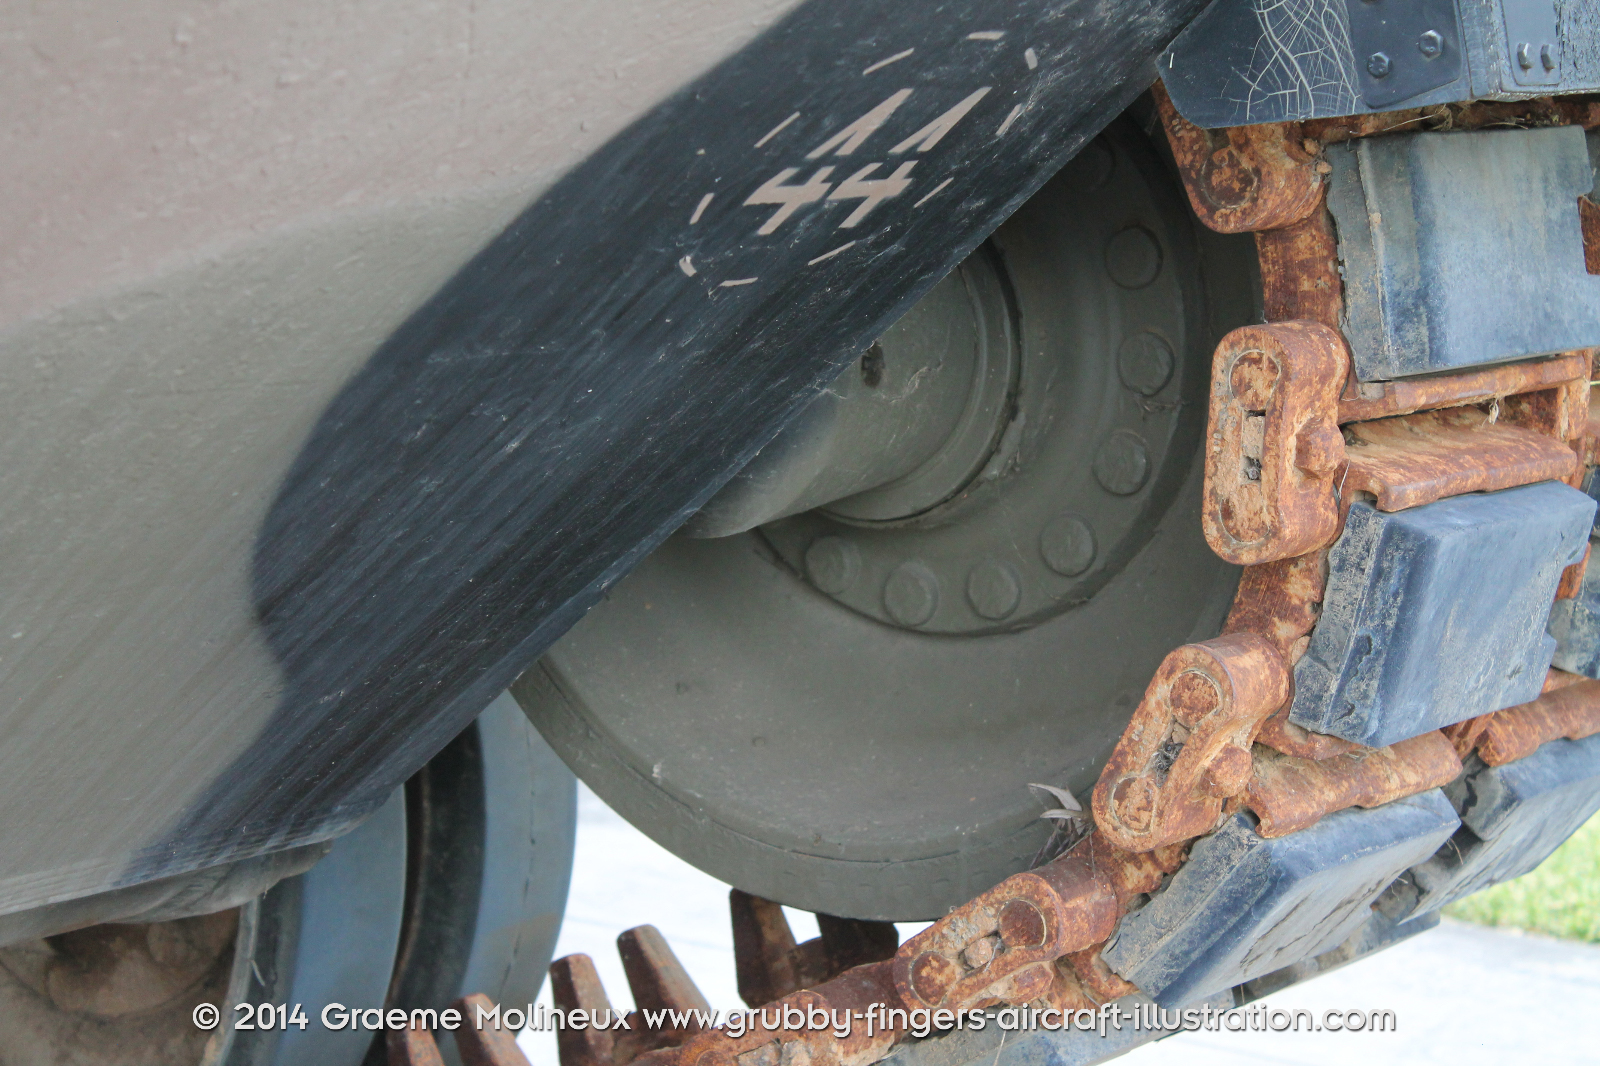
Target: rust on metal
(1416, 459)
(1571, 711)
(1554, 679)
(771, 965)
(657, 979)
(1289, 794)
(1280, 734)
(1561, 412)
(854, 991)
(1463, 736)
(658, 982)
(790, 1031)
(1243, 178)
(1273, 442)
(1000, 947)
(1211, 735)
(760, 1045)
(1300, 272)
(1572, 578)
(1187, 747)
(1130, 874)
(487, 1046)
(1096, 978)
(1589, 217)
(412, 1047)
(1580, 111)
(1385, 399)
(1473, 115)
(1281, 601)
(1067, 990)
(574, 985)
(1590, 440)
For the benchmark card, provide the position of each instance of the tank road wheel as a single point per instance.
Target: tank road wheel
(952, 576)
(456, 885)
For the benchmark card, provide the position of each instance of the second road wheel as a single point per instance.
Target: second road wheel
(456, 885)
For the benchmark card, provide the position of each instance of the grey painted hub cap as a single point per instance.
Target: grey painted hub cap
(842, 709)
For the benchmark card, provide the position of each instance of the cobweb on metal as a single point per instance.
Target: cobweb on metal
(1301, 64)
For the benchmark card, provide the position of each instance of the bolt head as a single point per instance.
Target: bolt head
(1430, 44)
(1547, 57)
(1378, 65)
(1525, 56)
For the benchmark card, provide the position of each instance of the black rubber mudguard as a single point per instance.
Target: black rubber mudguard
(590, 378)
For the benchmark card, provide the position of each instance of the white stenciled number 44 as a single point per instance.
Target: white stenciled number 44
(864, 184)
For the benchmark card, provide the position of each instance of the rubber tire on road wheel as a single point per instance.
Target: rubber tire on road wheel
(456, 885)
(844, 712)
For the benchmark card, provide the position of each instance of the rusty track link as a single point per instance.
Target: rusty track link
(1187, 749)
(1293, 439)
(1569, 709)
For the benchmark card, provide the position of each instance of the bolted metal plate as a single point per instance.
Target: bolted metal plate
(1244, 906)
(1403, 48)
(1436, 614)
(1250, 61)
(1533, 41)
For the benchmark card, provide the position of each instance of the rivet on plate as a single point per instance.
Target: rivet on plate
(1145, 362)
(1122, 463)
(993, 589)
(1133, 258)
(1067, 545)
(911, 594)
(832, 564)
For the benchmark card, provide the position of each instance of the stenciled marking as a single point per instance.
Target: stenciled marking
(935, 191)
(1015, 111)
(934, 132)
(880, 64)
(986, 35)
(870, 191)
(733, 283)
(786, 194)
(779, 128)
(788, 198)
(854, 135)
(686, 264)
(829, 255)
(700, 208)
(1030, 57)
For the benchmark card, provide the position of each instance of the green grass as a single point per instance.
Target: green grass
(1559, 898)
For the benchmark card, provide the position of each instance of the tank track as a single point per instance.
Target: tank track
(1376, 732)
